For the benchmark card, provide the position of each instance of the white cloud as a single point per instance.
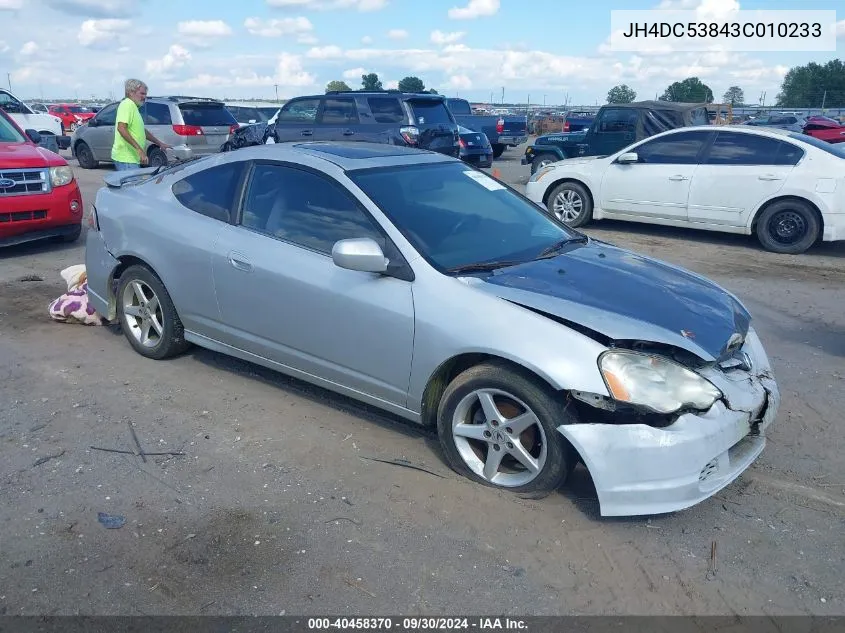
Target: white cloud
(440, 38)
(475, 9)
(95, 8)
(354, 73)
(325, 52)
(288, 74)
(397, 34)
(176, 57)
(710, 8)
(4, 47)
(459, 82)
(29, 49)
(366, 40)
(393, 84)
(329, 5)
(10, 5)
(840, 29)
(95, 32)
(308, 39)
(278, 27)
(204, 28)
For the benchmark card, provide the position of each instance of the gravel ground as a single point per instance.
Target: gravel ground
(277, 506)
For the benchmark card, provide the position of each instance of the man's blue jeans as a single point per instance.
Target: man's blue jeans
(124, 166)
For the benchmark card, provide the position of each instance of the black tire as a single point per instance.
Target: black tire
(788, 226)
(498, 150)
(84, 156)
(578, 190)
(157, 158)
(73, 235)
(544, 402)
(172, 341)
(539, 159)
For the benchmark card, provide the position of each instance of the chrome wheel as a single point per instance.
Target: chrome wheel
(144, 316)
(499, 437)
(567, 205)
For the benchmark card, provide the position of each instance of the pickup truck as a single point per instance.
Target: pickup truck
(614, 128)
(48, 126)
(502, 131)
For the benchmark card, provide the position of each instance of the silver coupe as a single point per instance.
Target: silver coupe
(407, 280)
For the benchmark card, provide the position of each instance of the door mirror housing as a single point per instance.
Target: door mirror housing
(362, 254)
(627, 158)
(34, 136)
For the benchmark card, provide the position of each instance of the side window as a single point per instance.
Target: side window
(299, 111)
(621, 120)
(156, 114)
(788, 154)
(386, 109)
(340, 111)
(11, 105)
(210, 192)
(303, 208)
(675, 149)
(735, 148)
(107, 115)
(699, 116)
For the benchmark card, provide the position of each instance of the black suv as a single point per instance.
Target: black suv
(420, 120)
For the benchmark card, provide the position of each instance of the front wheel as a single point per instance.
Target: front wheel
(157, 158)
(84, 156)
(148, 316)
(570, 203)
(497, 426)
(788, 226)
(498, 150)
(542, 160)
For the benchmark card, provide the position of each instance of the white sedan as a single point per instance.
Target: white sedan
(787, 188)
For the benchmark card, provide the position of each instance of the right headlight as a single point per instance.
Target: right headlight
(655, 382)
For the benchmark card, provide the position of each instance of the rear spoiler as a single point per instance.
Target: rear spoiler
(119, 178)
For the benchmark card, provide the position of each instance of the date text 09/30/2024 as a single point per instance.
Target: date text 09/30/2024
(416, 624)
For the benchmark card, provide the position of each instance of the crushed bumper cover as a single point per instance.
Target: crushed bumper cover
(641, 470)
(100, 266)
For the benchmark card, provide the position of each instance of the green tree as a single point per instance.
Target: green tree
(371, 82)
(690, 90)
(734, 95)
(621, 94)
(411, 84)
(337, 86)
(811, 85)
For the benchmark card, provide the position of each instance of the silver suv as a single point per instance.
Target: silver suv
(192, 126)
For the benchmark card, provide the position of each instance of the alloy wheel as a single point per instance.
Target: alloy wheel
(144, 316)
(567, 205)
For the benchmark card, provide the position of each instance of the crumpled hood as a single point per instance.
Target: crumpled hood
(625, 296)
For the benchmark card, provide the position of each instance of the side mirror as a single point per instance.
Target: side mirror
(627, 158)
(362, 254)
(34, 136)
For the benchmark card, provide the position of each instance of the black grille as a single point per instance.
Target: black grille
(22, 216)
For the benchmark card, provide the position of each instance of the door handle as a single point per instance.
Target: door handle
(769, 177)
(307, 133)
(678, 177)
(240, 262)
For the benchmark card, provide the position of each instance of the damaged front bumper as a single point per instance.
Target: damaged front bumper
(639, 469)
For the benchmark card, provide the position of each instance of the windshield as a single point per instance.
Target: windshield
(837, 149)
(8, 133)
(428, 111)
(456, 216)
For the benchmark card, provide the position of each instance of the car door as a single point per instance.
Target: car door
(737, 173)
(282, 297)
(657, 186)
(297, 120)
(99, 135)
(337, 119)
(614, 129)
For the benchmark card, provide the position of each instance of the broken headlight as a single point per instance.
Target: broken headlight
(655, 382)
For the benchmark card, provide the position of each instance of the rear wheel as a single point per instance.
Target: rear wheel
(157, 157)
(788, 226)
(84, 156)
(498, 150)
(497, 426)
(148, 316)
(541, 160)
(570, 203)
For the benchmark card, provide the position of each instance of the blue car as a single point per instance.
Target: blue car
(475, 147)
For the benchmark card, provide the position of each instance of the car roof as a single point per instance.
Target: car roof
(254, 104)
(657, 105)
(348, 155)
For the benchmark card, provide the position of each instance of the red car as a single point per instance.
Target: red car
(39, 195)
(825, 129)
(71, 114)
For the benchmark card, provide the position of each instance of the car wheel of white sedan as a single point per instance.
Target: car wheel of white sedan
(788, 226)
(570, 203)
(497, 427)
(147, 315)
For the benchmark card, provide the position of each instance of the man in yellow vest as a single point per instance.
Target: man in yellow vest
(130, 137)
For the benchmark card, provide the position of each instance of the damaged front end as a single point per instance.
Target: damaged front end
(647, 459)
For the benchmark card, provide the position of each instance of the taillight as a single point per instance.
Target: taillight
(566, 126)
(462, 143)
(188, 130)
(500, 126)
(233, 128)
(411, 134)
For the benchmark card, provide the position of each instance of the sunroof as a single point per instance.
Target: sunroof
(358, 150)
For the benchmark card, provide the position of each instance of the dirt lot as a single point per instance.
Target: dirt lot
(275, 506)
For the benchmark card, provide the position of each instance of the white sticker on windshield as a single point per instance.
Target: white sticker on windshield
(484, 180)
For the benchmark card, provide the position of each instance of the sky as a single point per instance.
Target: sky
(548, 51)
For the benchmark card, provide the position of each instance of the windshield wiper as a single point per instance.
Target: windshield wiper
(483, 266)
(557, 247)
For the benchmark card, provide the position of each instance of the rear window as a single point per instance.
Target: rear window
(836, 149)
(203, 114)
(429, 111)
(459, 106)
